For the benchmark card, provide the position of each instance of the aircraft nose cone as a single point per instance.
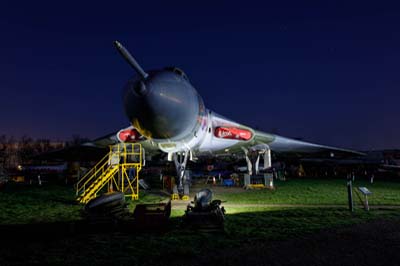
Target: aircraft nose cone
(163, 107)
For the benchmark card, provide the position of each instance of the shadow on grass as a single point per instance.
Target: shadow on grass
(242, 225)
(80, 242)
(63, 229)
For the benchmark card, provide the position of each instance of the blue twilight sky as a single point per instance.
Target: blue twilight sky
(325, 71)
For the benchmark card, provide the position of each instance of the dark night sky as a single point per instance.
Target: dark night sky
(325, 71)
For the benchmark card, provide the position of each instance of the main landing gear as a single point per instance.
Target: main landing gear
(253, 178)
(253, 158)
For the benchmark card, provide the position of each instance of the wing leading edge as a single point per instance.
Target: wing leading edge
(281, 144)
(278, 144)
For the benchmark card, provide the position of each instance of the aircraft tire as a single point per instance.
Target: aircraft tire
(105, 201)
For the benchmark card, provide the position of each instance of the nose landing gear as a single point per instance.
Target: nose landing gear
(182, 189)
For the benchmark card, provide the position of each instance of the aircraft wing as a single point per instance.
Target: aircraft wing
(97, 148)
(129, 132)
(281, 144)
(218, 146)
(277, 144)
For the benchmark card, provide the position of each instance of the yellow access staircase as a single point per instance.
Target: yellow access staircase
(118, 169)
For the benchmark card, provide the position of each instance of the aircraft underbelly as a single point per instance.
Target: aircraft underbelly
(213, 144)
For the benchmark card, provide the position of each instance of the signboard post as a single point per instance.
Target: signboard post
(365, 192)
(350, 193)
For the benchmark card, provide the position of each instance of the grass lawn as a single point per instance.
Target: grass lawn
(316, 192)
(243, 225)
(21, 204)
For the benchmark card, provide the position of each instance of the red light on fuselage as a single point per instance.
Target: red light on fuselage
(128, 135)
(232, 133)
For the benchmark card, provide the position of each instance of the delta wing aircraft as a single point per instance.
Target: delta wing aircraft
(168, 115)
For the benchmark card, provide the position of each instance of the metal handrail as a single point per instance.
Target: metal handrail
(107, 177)
(125, 157)
(91, 173)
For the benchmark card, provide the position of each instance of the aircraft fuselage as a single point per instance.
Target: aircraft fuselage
(167, 109)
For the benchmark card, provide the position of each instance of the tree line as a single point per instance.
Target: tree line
(19, 151)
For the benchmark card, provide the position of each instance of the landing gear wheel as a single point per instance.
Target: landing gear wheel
(185, 197)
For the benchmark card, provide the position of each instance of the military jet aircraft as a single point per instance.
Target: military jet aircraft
(168, 115)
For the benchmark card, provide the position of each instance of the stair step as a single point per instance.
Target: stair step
(99, 179)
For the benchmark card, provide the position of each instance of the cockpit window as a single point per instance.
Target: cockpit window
(177, 71)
